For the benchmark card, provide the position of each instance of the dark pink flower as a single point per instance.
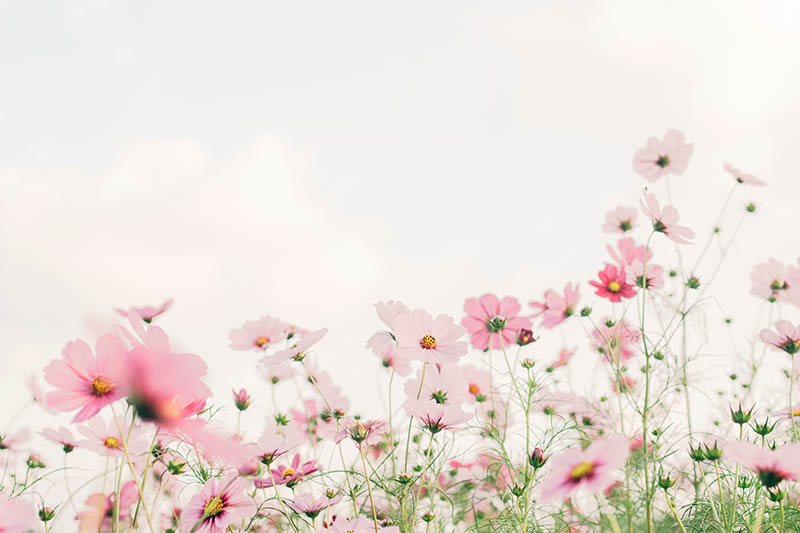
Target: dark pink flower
(219, 504)
(493, 323)
(594, 469)
(613, 284)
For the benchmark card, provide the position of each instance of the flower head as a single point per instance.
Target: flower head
(665, 220)
(423, 338)
(652, 279)
(259, 334)
(297, 351)
(147, 312)
(436, 417)
(786, 339)
(774, 281)
(620, 220)
(99, 512)
(668, 156)
(772, 467)
(556, 308)
(741, 177)
(219, 504)
(61, 436)
(492, 322)
(17, 515)
(594, 469)
(613, 284)
(289, 475)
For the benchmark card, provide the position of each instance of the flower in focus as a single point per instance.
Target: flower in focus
(665, 220)
(289, 475)
(99, 512)
(772, 467)
(668, 156)
(613, 284)
(61, 436)
(259, 334)
(620, 220)
(421, 337)
(741, 177)
(219, 504)
(786, 339)
(297, 351)
(17, 515)
(147, 312)
(636, 275)
(84, 381)
(493, 323)
(593, 469)
(436, 417)
(556, 308)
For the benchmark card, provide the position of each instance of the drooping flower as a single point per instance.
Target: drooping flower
(620, 220)
(593, 469)
(773, 279)
(146, 312)
(219, 504)
(259, 334)
(786, 339)
(99, 512)
(61, 436)
(654, 279)
(772, 467)
(289, 475)
(556, 308)
(436, 417)
(615, 340)
(295, 352)
(421, 337)
(613, 284)
(741, 177)
(665, 220)
(443, 385)
(492, 322)
(668, 156)
(84, 381)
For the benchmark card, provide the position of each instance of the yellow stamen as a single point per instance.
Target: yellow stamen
(111, 443)
(289, 472)
(214, 507)
(428, 342)
(614, 286)
(261, 341)
(101, 386)
(581, 471)
(474, 389)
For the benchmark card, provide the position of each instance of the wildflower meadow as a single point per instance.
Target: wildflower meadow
(485, 426)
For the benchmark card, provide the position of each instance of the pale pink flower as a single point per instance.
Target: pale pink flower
(389, 311)
(259, 334)
(37, 393)
(436, 417)
(332, 393)
(289, 475)
(61, 436)
(17, 515)
(478, 383)
(556, 308)
(99, 512)
(383, 343)
(443, 385)
(315, 420)
(369, 432)
(297, 351)
(563, 357)
(277, 440)
(654, 279)
(660, 157)
(665, 220)
(786, 339)
(219, 504)
(492, 322)
(355, 525)
(387, 352)
(615, 340)
(105, 439)
(84, 381)
(276, 374)
(421, 337)
(311, 505)
(620, 220)
(741, 177)
(14, 441)
(772, 280)
(629, 252)
(772, 467)
(593, 469)
(147, 312)
(613, 284)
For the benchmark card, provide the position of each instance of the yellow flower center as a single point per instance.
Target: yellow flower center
(214, 507)
(428, 342)
(101, 386)
(581, 471)
(614, 286)
(796, 413)
(289, 472)
(261, 341)
(111, 443)
(474, 389)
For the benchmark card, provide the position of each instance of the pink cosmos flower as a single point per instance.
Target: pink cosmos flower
(620, 220)
(615, 340)
(369, 432)
(478, 383)
(493, 323)
(389, 358)
(276, 374)
(593, 469)
(629, 252)
(355, 525)
(289, 475)
(443, 385)
(83, 381)
(311, 505)
(37, 393)
(297, 351)
(13, 441)
(333, 393)
(670, 156)
(99, 512)
(382, 342)
(436, 417)
(665, 220)
(259, 334)
(613, 284)
(563, 357)
(61, 436)
(772, 280)
(787, 338)
(636, 275)
(104, 438)
(17, 515)
(220, 503)
(772, 467)
(147, 312)
(556, 308)
(315, 420)
(741, 177)
(421, 337)
(241, 399)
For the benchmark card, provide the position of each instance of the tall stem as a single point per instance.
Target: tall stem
(369, 487)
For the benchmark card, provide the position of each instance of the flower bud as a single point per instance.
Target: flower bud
(763, 429)
(586, 311)
(666, 482)
(697, 454)
(537, 458)
(713, 454)
(739, 416)
(241, 399)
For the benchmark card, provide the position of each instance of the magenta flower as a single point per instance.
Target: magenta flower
(493, 323)
(620, 220)
(613, 284)
(219, 504)
(259, 334)
(289, 475)
(436, 417)
(84, 381)
(786, 339)
(297, 351)
(422, 338)
(556, 308)
(653, 279)
(741, 177)
(665, 220)
(593, 469)
(147, 312)
(772, 467)
(660, 157)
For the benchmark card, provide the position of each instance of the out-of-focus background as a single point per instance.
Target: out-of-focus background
(306, 161)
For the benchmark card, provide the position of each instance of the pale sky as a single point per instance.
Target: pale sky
(306, 160)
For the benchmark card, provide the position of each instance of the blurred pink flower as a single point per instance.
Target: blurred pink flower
(613, 284)
(84, 381)
(99, 512)
(311, 505)
(773, 279)
(105, 439)
(665, 220)
(219, 504)
(259, 334)
(563, 357)
(13, 441)
(17, 515)
(147, 312)
(370, 432)
(556, 308)
(629, 252)
(741, 177)
(772, 467)
(636, 275)
(660, 157)
(593, 469)
(786, 339)
(277, 440)
(441, 385)
(297, 351)
(493, 323)
(436, 417)
(61, 436)
(477, 382)
(615, 340)
(289, 475)
(422, 338)
(620, 220)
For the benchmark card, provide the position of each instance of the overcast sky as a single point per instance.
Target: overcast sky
(307, 160)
